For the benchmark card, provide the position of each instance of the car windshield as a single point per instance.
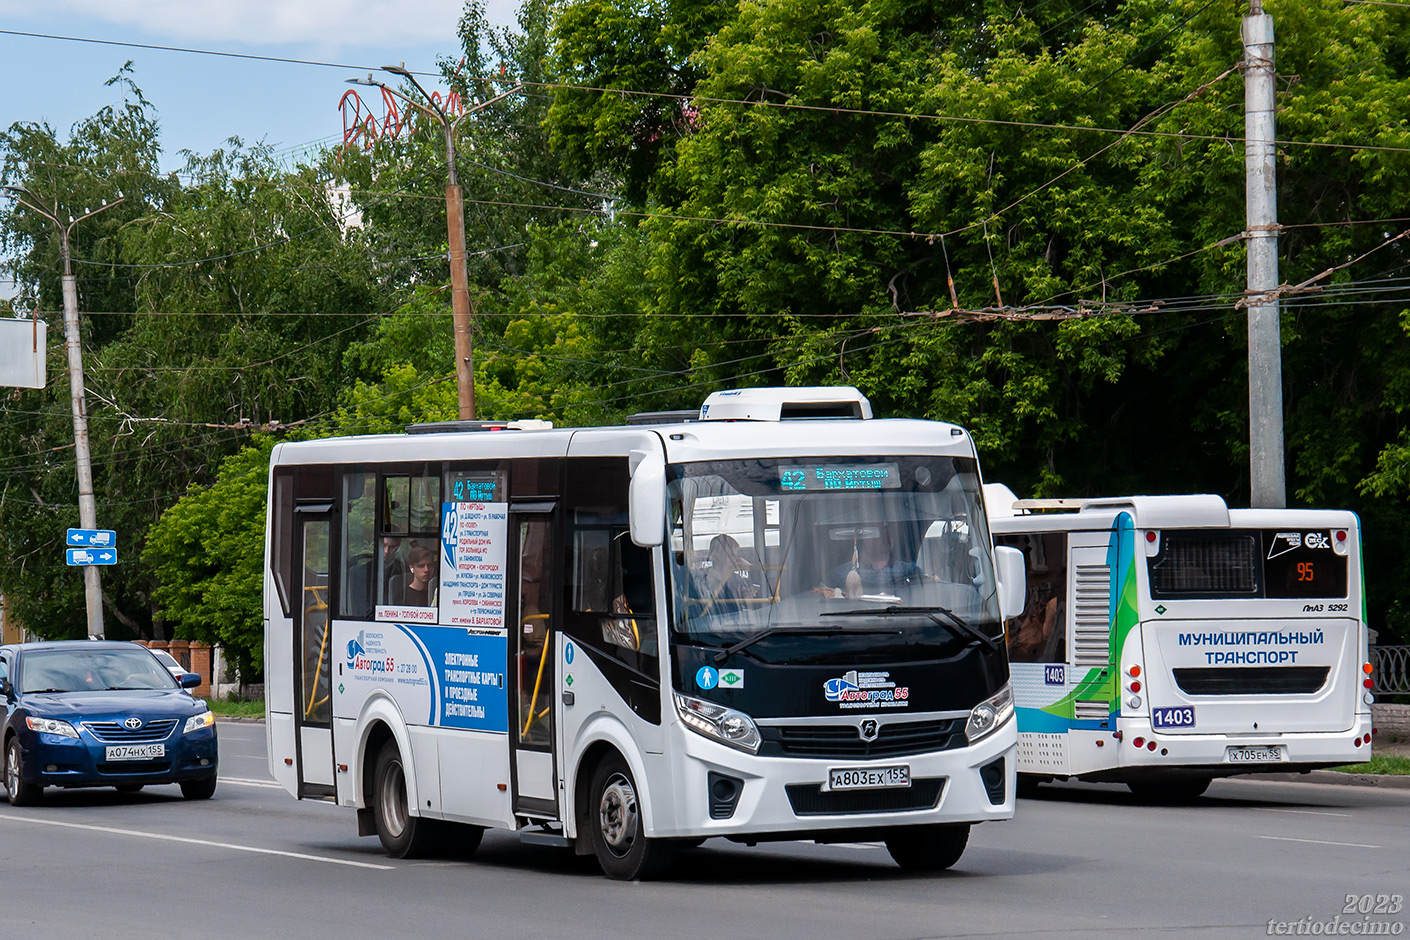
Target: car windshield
(892, 548)
(92, 670)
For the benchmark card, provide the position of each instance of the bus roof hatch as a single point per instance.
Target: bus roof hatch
(785, 404)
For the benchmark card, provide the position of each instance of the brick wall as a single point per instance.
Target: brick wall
(192, 654)
(1391, 719)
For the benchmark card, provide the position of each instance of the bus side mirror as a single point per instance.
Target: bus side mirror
(1012, 578)
(647, 501)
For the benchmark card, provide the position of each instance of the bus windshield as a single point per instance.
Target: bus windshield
(891, 548)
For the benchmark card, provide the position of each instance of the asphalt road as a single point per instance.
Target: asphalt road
(1079, 861)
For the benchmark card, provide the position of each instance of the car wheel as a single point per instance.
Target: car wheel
(129, 787)
(403, 835)
(928, 848)
(202, 789)
(615, 821)
(21, 793)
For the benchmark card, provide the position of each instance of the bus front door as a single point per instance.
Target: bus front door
(313, 637)
(531, 730)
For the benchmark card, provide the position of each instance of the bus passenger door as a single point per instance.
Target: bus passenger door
(533, 672)
(313, 653)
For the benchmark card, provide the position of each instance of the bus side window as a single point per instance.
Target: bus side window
(359, 556)
(1038, 634)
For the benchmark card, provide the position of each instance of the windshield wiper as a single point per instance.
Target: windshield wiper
(46, 691)
(729, 651)
(953, 622)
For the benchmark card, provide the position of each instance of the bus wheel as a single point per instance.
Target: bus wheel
(403, 835)
(615, 820)
(1179, 790)
(928, 848)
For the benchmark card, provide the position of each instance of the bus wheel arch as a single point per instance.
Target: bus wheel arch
(616, 822)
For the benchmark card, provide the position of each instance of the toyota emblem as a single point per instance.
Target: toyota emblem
(868, 729)
(133, 723)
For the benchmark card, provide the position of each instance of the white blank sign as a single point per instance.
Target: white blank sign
(22, 353)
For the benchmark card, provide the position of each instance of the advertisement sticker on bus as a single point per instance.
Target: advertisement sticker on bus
(474, 537)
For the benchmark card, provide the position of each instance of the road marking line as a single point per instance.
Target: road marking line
(1353, 845)
(219, 845)
(1303, 812)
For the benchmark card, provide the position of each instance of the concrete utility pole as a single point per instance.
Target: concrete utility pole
(87, 507)
(462, 311)
(1268, 487)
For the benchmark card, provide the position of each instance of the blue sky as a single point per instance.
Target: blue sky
(202, 99)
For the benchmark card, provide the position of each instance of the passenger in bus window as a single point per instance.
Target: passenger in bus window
(874, 568)
(393, 570)
(421, 590)
(1032, 638)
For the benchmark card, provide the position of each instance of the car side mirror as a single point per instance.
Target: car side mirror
(189, 680)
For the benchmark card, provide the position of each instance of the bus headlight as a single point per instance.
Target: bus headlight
(989, 715)
(719, 722)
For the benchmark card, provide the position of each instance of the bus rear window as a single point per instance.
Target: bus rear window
(1256, 563)
(1206, 566)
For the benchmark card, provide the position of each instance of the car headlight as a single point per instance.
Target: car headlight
(197, 722)
(719, 722)
(51, 726)
(986, 717)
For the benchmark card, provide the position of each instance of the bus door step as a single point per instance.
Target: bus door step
(541, 837)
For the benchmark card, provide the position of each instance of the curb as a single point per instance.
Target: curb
(236, 719)
(1332, 777)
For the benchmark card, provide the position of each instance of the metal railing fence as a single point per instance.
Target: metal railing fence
(1390, 672)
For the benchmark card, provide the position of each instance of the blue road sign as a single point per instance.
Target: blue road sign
(94, 538)
(92, 556)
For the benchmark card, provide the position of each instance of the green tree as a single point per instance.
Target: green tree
(207, 555)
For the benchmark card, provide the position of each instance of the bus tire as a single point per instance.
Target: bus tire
(1179, 790)
(615, 822)
(402, 834)
(928, 848)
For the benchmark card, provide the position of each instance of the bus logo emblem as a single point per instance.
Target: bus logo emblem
(868, 729)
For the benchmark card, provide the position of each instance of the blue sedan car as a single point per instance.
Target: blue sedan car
(86, 713)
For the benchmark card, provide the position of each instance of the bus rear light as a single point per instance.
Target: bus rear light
(1368, 682)
(1341, 535)
(1367, 668)
(1135, 671)
(1367, 739)
(1357, 742)
(1150, 745)
(1134, 701)
(1139, 742)
(1135, 687)
(1150, 536)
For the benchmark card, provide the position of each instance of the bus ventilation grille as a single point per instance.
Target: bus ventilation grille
(809, 799)
(896, 739)
(1251, 680)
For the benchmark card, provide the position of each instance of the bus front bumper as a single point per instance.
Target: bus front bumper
(721, 791)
